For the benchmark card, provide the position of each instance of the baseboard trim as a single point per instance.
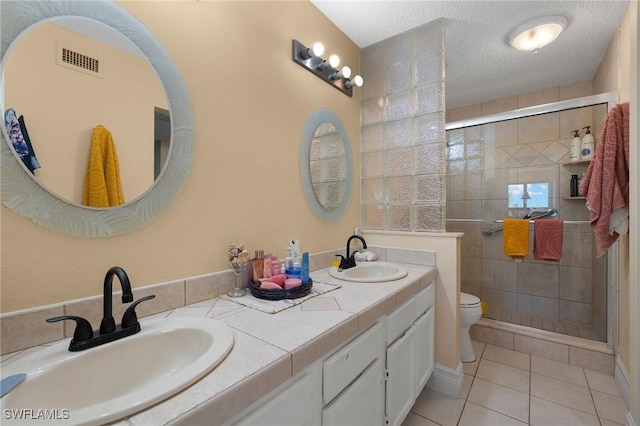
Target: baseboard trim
(447, 381)
(622, 380)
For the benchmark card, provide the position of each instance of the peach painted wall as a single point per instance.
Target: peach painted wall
(634, 209)
(61, 107)
(614, 75)
(448, 254)
(250, 103)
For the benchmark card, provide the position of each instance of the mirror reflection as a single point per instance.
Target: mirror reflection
(27, 196)
(65, 85)
(328, 164)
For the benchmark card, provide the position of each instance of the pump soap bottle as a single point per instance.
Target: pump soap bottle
(576, 143)
(588, 144)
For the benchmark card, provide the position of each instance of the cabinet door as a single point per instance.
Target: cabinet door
(425, 330)
(293, 405)
(400, 386)
(362, 403)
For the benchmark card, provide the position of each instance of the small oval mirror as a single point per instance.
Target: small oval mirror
(326, 165)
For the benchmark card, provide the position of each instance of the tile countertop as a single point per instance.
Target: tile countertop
(271, 348)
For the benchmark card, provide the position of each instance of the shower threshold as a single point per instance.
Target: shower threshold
(569, 328)
(547, 344)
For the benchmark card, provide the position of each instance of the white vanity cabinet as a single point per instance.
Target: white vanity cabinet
(374, 379)
(295, 403)
(425, 337)
(410, 353)
(353, 381)
(362, 403)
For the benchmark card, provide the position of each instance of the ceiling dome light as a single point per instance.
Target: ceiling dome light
(536, 34)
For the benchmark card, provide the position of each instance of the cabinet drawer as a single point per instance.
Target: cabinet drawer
(345, 365)
(401, 319)
(362, 403)
(426, 298)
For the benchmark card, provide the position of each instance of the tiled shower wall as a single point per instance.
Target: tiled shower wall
(482, 162)
(403, 162)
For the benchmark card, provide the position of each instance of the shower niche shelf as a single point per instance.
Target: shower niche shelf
(573, 163)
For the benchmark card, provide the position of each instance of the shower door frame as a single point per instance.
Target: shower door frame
(612, 254)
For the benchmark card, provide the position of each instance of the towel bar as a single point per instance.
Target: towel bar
(569, 222)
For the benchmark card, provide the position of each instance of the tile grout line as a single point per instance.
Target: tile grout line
(530, 385)
(593, 401)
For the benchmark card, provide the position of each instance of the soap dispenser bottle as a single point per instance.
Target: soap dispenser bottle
(576, 144)
(588, 144)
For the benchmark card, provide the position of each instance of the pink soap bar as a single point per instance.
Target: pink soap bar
(292, 283)
(268, 285)
(278, 279)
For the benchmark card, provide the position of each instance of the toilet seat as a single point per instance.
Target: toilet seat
(469, 301)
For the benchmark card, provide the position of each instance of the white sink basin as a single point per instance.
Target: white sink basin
(370, 272)
(112, 381)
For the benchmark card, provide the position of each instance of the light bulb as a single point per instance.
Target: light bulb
(344, 73)
(318, 49)
(356, 81)
(333, 62)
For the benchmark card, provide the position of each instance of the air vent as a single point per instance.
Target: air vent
(73, 59)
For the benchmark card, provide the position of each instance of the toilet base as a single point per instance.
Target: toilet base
(467, 353)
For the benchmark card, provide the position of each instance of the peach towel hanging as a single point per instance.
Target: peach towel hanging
(547, 239)
(515, 233)
(102, 187)
(606, 182)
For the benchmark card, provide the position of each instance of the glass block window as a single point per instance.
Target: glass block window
(403, 149)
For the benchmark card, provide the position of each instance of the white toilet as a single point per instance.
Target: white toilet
(470, 313)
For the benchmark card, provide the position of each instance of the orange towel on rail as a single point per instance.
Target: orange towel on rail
(516, 238)
(547, 239)
(102, 187)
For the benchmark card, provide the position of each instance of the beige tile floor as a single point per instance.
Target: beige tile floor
(505, 387)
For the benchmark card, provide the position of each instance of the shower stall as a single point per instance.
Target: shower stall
(516, 164)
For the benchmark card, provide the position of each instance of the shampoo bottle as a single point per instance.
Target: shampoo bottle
(574, 186)
(588, 144)
(576, 144)
(304, 268)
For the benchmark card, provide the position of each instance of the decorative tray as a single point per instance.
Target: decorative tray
(292, 293)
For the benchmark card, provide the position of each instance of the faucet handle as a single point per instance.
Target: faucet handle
(130, 319)
(83, 329)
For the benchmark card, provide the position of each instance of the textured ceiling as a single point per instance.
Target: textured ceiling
(480, 65)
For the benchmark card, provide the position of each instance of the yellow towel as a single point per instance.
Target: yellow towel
(102, 187)
(516, 238)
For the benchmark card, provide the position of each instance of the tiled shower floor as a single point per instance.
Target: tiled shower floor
(584, 331)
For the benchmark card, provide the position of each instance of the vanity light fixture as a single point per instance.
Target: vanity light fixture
(325, 69)
(536, 34)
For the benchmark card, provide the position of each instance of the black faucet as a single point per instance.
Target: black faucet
(84, 337)
(349, 261)
(108, 325)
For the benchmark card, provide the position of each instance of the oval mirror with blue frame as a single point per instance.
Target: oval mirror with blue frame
(326, 165)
